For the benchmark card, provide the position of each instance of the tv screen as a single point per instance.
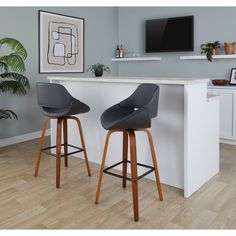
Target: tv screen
(169, 34)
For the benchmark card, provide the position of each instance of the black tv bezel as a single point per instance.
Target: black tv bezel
(172, 50)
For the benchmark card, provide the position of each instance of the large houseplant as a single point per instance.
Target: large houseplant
(209, 49)
(11, 68)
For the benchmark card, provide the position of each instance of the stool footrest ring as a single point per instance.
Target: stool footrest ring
(127, 178)
(45, 150)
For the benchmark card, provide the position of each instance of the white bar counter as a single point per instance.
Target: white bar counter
(185, 132)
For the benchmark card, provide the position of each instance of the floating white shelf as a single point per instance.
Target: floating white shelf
(203, 57)
(137, 59)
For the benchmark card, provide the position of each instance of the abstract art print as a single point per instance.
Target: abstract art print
(232, 80)
(61, 40)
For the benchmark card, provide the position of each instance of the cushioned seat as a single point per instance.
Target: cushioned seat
(134, 112)
(55, 101)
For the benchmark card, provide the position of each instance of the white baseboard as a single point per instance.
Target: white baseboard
(228, 141)
(22, 138)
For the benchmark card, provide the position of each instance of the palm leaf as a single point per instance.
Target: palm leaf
(15, 45)
(12, 81)
(7, 114)
(17, 83)
(14, 61)
(3, 66)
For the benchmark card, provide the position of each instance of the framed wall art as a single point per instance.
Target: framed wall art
(61, 43)
(232, 80)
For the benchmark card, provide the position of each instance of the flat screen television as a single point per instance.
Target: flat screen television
(169, 34)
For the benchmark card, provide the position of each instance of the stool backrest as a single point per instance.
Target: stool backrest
(145, 96)
(53, 96)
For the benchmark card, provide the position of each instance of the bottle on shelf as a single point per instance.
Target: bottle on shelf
(122, 51)
(117, 52)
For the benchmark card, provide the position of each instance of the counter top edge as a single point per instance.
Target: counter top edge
(174, 81)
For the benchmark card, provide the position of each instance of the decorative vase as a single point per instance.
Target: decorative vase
(213, 51)
(98, 72)
(229, 48)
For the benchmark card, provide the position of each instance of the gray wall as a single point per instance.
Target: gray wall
(22, 23)
(104, 27)
(210, 24)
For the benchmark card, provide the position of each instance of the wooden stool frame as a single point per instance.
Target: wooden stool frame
(133, 161)
(60, 122)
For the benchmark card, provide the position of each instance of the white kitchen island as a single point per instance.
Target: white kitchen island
(185, 132)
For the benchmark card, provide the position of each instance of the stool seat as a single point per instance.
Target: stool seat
(55, 101)
(118, 117)
(75, 107)
(134, 112)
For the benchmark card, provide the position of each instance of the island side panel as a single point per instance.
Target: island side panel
(201, 138)
(167, 128)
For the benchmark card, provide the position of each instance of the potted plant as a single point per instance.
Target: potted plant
(229, 48)
(98, 69)
(209, 49)
(11, 68)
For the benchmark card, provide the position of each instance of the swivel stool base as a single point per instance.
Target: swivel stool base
(133, 161)
(61, 122)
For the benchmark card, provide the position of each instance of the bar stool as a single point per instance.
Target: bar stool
(57, 103)
(131, 115)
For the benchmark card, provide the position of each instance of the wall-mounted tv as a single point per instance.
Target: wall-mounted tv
(169, 34)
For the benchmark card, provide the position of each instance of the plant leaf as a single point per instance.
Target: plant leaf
(7, 114)
(14, 61)
(3, 67)
(17, 83)
(209, 57)
(15, 45)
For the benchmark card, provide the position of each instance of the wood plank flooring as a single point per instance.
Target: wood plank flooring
(27, 202)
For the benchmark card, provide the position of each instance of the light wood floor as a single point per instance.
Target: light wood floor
(28, 202)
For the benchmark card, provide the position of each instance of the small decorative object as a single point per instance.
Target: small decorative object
(122, 51)
(210, 49)
(11, 68)
(61, 43)
(232, 80)
(117, 52)
(219, 82)
(229, 48)
(98, 69)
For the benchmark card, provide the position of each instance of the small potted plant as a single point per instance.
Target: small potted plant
(98, 69)
(229, 48)
(210, 49)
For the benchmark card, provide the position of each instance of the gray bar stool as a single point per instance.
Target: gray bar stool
(57, 103)
(131, 115)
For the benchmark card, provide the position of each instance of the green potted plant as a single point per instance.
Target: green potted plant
(11, 68)
(209, 49)
(98, 69)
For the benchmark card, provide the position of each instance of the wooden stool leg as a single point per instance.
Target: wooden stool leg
(65, 134)
(84, 148)
(133, 160)
(36, 169)
(102, 166)
(82, 142)
(58, 152)
(155, 164)
(125, 154)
